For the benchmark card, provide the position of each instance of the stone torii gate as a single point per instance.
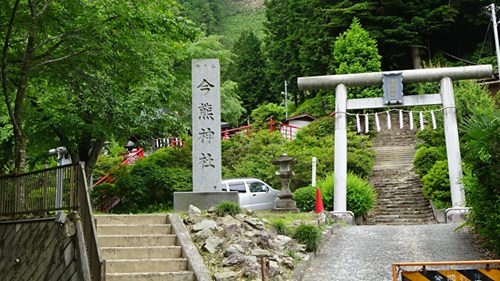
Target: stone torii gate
(444, 98)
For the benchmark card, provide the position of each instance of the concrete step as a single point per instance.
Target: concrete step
(158, 252)
(136, 240)
(146, 265)
(132, 219)
(152, 276)
(133, 229)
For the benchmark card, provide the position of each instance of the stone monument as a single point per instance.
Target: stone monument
(285, 202)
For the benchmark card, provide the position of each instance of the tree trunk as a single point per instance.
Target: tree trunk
(88, 155)
(415, 57)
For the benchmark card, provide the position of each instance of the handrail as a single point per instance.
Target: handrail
(89, 229)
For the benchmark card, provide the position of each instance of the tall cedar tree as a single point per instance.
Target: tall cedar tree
(249, 72)
(356, 52)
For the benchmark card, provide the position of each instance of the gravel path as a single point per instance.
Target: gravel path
(366, 253)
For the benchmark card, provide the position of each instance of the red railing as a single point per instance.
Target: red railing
(130, 159)
(226, 134)
(289, 131)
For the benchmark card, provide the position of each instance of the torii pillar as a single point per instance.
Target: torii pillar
(445, 98)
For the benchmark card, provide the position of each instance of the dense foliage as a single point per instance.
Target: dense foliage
(482, 155)
(360, 195)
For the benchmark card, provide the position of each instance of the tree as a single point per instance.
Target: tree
(355, 51)
(249, 72)
(85, 71)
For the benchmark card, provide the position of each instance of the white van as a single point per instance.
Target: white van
(254, 194)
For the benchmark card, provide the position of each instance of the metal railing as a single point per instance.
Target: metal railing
(37, 193)
(43, 193)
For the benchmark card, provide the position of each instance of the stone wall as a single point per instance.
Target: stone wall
(39, 250)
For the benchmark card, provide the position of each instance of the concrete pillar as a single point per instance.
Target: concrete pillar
(452, 143)
(340, 177)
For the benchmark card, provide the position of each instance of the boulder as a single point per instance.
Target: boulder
(203, 234)
(228, 220)
(234, 259)
(212, 244)
(193, 210)
(205, 224)
(233, 249)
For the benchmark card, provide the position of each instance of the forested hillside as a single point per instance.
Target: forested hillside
(77, 75)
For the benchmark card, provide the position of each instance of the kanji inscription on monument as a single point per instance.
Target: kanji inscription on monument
(205, 85)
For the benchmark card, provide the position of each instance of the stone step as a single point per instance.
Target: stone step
(136, 240)
(146, 265)
(134, 229)
(158, 252)
(132, 219)
(152, 276)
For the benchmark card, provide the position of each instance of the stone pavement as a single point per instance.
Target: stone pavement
(367, 252)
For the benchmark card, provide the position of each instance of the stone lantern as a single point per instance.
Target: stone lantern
(285, 202)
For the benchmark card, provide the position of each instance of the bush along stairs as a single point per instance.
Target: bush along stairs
(142, 247)
(400, 199)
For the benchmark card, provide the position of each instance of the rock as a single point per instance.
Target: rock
(234, 259)
(231, 230)
(211, 210)
(233, 249)
(251, 259)
(212, 244)
(244, 242)
(321, 218)
(288, 262)
(255, 223)
(251, 271)
(193, 210)
(203, 234)
(274, 268)
(249, 212)
(262, 239)
(226, 276)
(260, 252)
(228, 220)
(282, 240)
(205, 224)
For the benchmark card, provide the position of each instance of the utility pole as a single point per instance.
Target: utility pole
(286, 101)
(492, 9)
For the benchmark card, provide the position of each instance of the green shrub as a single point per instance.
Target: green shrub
(360, 195)
(436, 184)
(326, 187)
(227, 208)
(309, 235)
(426, 157)
(305, 198)
(482, 156)
(280, 227)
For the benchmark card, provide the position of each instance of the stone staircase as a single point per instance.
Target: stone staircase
(141, 247)
(400, 199)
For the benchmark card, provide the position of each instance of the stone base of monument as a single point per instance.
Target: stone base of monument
(286, 205)
(202, 200)
(345, 217)
(456, 214)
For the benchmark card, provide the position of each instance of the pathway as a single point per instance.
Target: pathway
(367, 252)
